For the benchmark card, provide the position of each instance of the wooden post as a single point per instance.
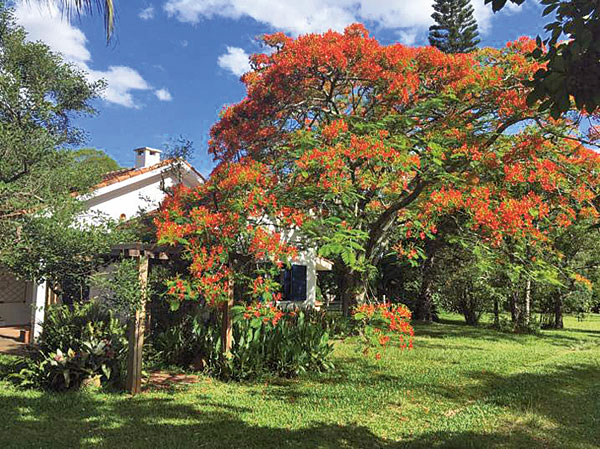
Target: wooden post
(227, 330)
(136, 333)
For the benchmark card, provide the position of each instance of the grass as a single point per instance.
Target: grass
(461, 387)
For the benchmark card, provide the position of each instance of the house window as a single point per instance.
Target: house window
(294, 283)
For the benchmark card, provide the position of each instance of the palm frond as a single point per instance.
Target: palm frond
(104, 7)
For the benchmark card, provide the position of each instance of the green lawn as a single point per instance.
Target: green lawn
(459, 388)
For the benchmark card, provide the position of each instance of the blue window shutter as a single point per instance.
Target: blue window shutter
(298, 287)
(287, 284)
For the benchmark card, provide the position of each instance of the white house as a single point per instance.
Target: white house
(122, 195)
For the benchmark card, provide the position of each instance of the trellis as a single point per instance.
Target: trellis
(143, 253)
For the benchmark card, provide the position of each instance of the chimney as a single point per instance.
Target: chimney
(146, 157)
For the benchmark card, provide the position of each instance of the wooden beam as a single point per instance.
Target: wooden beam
(227, 325)
(138, 249)
(136, 333)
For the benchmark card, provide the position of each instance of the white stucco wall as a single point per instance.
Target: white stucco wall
(129, 197)
(38, 307)
(127, 200)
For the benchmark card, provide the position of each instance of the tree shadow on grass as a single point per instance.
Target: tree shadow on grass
(456, 329)
(84, 420)
(568, 396)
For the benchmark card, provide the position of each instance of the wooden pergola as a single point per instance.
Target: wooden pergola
(143, 253)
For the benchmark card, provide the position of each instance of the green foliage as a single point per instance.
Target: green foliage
(297, 343)
(95, 161)
(39, 177)
(471, 286)
(58, 249)
(455, 30)
(79, 344)
(119, 287)
(573, 66)
(40, 95)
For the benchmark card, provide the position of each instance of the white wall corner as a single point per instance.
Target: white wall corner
(38, 306)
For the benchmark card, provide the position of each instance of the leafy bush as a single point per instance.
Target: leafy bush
(266, 341)
(335, 323)
(80, 344)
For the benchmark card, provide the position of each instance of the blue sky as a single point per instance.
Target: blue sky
(173, 64)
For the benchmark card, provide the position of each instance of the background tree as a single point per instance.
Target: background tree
(571, 68)
(464, 281)
(455, 30)
(40, 94)
(39, 176)
(577, 263)
(96, 161)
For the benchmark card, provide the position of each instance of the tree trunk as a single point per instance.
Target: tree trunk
(515, 308)
(527, 311)
(425, 308)
(354, 291)
(558, 313)
(496, 314)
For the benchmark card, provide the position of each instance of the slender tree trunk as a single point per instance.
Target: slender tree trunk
(496, 314)
(515, 308)
(527, 304)
(558, 313)
(424, 307)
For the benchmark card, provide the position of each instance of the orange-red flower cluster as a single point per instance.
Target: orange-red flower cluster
(381, 320)
(267, 313)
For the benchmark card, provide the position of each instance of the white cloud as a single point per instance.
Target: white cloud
(320, 15)
(235, 60)
(43, 21)
(163, 94)
(121, 80)
(146, 13)
(408, 37)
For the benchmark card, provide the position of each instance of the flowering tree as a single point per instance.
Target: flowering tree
(368, 148)
(230, 228)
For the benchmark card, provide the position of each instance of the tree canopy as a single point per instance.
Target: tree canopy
(40, 176)
(571, 68)
(365, 148)
(40, 95)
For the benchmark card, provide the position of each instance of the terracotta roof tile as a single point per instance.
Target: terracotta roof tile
(121, 175)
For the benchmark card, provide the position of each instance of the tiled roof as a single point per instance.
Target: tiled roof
(126, 173)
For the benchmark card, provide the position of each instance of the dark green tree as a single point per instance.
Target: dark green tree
(571, 52)
(96, 161)
(455, 30)
(40, 95)
(40, 176)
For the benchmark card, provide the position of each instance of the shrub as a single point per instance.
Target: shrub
(335, 323)
(80, 344)
(266, 341)
(381, 325)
